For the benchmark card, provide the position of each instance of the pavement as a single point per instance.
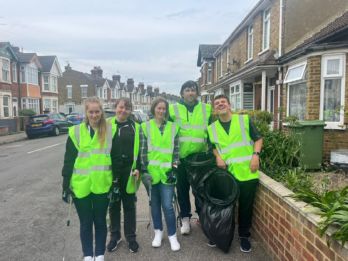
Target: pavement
(33, 217)
(13, 137)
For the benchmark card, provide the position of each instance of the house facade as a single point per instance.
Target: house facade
(74, 87)
(282, 60)
(9, 88)
(245, 67)
(314, 64)
(206, 62)
(50, 72)
(29, 66)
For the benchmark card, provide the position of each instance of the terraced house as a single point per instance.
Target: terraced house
(50, 72)
(9, 87)
(74, 86)
(285, 61)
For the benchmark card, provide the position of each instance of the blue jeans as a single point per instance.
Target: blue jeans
(162, 195)
(92, 210)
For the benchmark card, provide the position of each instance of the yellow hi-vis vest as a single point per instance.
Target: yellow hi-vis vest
(160, 149)
(132, 183)
(235, 148)
(193, 127)
(92, 169)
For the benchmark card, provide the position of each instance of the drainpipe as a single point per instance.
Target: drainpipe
(18, 70)
(280, 47)
(263, 91)
(279, 85)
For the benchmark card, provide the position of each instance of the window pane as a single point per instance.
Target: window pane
(333, 66)
(297, 100)
(295, 73)
(332, 100)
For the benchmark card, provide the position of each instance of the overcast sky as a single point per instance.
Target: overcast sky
(152, 41)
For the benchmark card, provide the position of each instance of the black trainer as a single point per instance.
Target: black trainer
(211, 244)
(113, 243)
(245, 245)
(133, 246)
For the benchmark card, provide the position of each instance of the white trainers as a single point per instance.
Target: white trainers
(157, 241)
(174, 244)
(99, 258)
(88, 258)
(186, 227)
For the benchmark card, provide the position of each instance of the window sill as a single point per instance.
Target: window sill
(335, 127)
(263, 51)
(248, 61)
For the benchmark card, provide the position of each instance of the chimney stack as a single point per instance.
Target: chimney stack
(97, 72)
(116, 78)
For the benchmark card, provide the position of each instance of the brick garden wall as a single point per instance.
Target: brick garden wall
(287, 229)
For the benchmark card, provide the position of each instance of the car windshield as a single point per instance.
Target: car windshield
(39, 118)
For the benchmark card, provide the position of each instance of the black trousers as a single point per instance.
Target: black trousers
(92, 210)
(247, 190)
(128, 203)
(183, 190)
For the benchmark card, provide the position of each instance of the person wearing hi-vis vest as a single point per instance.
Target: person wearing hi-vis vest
(87, 176)
(236, 145)
(159, 159)
(193, 118)
(124, 155)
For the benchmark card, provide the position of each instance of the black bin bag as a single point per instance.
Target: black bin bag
(217, 192)
(217, 216)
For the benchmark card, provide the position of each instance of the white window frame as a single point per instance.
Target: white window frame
(46, 83)
(266, 29)
(5, 72)
(8, 106)
(14, 72)
(270, 89)
(69, 91)
(54, 83)
(54, 105)
(250, 47)
(84, 87)
(47, 104)
(234, 94)
(32, 74)
(209, 72)
(288, 97)
(293, 67)
(342, 76)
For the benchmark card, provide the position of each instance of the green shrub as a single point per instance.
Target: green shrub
(333, 206)
(280, 152)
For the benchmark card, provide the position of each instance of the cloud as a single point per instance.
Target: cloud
(184, 13)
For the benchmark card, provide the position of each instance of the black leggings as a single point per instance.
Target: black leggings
(92, 210)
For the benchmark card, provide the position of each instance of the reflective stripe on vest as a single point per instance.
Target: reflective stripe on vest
(92, 168)
(160, 149)
(238, 153)
(193, 127)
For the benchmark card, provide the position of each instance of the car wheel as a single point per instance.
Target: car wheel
(56, 131)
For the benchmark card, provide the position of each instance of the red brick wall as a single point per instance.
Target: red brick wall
(288, 229)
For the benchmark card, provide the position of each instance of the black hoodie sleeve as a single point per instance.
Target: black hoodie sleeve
(69, 159)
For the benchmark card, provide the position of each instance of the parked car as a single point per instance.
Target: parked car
(136, 115)
(75, 119)
(47, 124)
(109, 113)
